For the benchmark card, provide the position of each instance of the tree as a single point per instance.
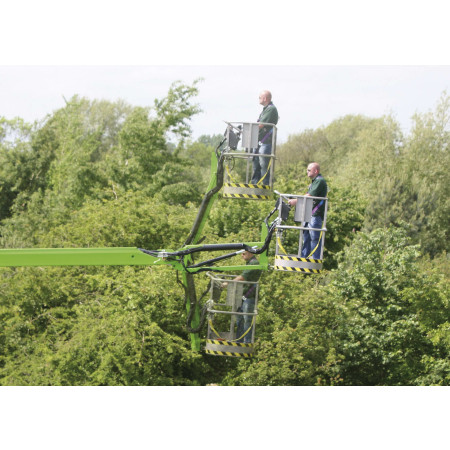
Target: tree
(20, 167)
(429, 147)
(105, 325)
(175, 110)
(385, 324)
(308, 146)
(89, 149)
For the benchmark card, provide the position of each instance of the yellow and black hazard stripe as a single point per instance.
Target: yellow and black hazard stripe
(217, 353)
(229, 348)
(247, 191)
(230, 343)
(297, 269)
(248, 186)
(247, 196)
(294, 258)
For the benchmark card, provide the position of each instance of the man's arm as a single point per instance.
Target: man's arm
(293, 201)
(238, 278)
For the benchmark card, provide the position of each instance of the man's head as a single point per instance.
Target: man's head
(247, 256)
(313, 170)
(265, 98)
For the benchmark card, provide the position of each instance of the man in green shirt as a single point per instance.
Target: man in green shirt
(269, 114)
(318, 188)
(244, 323)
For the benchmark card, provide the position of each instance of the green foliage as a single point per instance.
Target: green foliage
(20, 167)
(142, 144)
(100, 326)
(106, 327)
(294, 347)
(177, 183)
(388, 311)
(210, 140)
(292, 179)
(131, 220)
(415, 188)
(305, 147)
(338, 147)
(231, 217)
(175, 110)
(199, 152)
(345, 217)
(400, 179)
(88, 149)
(378, 319)
(427, 158)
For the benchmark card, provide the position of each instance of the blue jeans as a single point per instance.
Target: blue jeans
(311, 238)
(243, 323)
(260, 165)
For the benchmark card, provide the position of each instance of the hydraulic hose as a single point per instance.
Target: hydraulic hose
(217, 247)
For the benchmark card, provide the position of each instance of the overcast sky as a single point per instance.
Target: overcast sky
(306, 96)
(320, 60)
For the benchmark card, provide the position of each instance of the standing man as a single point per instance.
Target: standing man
(269, 114)
(244, 322)
(318, 188)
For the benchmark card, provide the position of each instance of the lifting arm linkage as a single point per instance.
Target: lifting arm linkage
(215, 184)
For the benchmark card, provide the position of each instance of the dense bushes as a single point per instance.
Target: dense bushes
(99, 174)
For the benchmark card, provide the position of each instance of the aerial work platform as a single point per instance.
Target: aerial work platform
(225, 336)
(239, 162)
(291, 237)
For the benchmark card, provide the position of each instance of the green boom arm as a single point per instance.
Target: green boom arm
(132, 256)
(114, 256)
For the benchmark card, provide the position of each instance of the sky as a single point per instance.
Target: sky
(320, 62)
(306, 96)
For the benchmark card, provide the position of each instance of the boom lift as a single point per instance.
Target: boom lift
(224, 158)
(235, 340)
(238, 163)
(294, 262)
